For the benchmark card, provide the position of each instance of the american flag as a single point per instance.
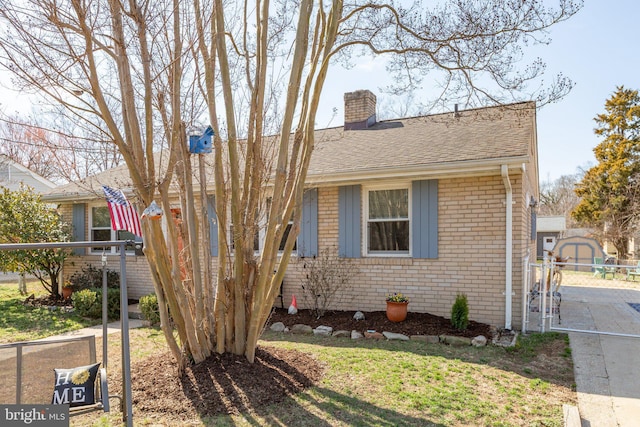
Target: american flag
(123, 214)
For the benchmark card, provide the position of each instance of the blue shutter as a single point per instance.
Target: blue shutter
(424, 219)
(213, 224)
(349, 226)
(308, 237)
(79, 226)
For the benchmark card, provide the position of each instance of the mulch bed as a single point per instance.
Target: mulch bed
(223, 384)
(415, 323)
(47, 301)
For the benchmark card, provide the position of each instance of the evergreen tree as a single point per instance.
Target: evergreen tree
(609, 191)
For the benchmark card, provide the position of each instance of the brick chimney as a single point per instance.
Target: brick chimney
(359, 110)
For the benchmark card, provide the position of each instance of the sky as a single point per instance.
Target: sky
(597, 49)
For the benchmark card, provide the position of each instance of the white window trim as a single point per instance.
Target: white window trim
(114, 234)
(400, 185)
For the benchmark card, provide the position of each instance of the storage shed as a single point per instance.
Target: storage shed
(582, 250)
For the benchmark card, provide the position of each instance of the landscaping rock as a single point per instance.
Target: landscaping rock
(455, 341)
(429, 339)
(505, 338)
(479, 341)
(341, 334)
(301, 329)
(323, 330)
(278, 327)
(394, 336)
(359, 315)
(373, 335)
(355, 335)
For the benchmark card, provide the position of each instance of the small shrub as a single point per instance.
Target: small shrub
(113, 302)
(149, 308)
(460, 313)
(88, 303)
(327, 276)
(91, 277)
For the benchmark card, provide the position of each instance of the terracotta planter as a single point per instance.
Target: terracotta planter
(66, 292)
(396, 311)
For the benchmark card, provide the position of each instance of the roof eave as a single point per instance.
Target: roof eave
(485, 167)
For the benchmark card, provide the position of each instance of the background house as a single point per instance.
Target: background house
(13, 174)
(429, 206)
(549, 229)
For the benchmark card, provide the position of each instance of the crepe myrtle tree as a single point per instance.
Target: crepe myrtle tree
(24, 218)
(143, 72)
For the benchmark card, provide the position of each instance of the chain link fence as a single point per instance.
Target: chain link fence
(551, 283)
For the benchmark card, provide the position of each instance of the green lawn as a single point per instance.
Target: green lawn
(19, 322)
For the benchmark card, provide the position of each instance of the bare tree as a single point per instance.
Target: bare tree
(559, 197)
(59, 151)
(145, 71)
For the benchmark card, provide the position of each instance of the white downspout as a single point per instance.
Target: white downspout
(504, 171)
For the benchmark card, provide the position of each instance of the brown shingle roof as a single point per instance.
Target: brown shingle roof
(413, 146)
(420, 142)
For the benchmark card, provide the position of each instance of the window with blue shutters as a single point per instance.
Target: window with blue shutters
(307, 241)
(100, 231)
(397, 220)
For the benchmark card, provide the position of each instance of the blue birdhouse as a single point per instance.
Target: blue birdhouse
(201, 144)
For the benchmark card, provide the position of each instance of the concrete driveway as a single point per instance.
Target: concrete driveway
(606, 364)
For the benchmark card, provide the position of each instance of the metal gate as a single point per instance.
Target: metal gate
(127, 408)
(594, 298)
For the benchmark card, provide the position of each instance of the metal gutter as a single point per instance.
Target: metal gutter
(508, 291)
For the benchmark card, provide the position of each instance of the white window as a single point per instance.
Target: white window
(387, 228)
(287, 230)
(100, 231)
(285, 236)
(257, 238)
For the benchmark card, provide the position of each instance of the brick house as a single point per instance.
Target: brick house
(462, 186)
